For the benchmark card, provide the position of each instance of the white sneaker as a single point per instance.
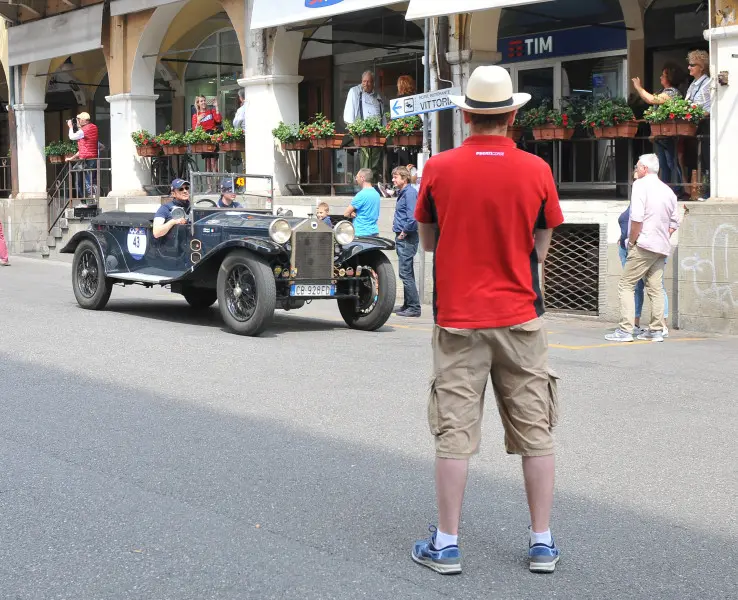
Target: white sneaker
(665, 332)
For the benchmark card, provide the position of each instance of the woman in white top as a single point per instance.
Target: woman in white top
(699, 93)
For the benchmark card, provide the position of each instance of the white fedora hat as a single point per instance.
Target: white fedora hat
(490, 92)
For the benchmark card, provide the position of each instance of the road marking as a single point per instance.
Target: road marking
(616, 344)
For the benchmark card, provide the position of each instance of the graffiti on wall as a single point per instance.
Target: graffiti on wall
(712, 277)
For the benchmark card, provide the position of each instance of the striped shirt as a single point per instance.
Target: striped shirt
(699, 92)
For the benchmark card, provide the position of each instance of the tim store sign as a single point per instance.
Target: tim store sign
(530, 47)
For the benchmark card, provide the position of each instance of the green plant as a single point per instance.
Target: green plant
(608, 112)
(170, 138)
(198, 136)
(536, 117)
(560, 119)
(403, 126)
(320, 127)
(60, 148)
(288, 134)
(676, 109)
(230, 133)
(363, 127)
(143, 138)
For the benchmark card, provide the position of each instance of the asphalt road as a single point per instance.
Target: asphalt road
(149, 454)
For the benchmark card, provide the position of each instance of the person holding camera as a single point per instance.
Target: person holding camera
(87, 137)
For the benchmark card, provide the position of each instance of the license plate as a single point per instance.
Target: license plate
(312, 290)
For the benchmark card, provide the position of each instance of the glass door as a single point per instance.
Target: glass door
(539, 83)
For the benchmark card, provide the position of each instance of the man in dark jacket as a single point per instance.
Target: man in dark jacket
(406, 239)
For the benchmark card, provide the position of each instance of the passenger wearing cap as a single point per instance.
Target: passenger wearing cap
(487, 308)
(227, 195)
(87, 138)
(163, 222)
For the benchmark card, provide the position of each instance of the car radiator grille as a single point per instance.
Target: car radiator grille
(313, 254)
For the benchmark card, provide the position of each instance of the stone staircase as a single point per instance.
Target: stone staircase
(66, 227)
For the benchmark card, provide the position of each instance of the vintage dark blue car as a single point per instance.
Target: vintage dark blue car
(251, 262)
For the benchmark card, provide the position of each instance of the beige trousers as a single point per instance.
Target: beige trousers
(649, 266)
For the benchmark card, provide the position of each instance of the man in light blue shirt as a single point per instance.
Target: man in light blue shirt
(364, 208)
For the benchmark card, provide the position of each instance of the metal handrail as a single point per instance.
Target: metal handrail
(62, 190)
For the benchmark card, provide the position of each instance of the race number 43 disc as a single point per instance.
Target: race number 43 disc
(137, 242)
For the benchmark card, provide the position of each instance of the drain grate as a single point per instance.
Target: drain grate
(571, 274)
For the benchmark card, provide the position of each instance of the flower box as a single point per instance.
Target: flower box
(297, 145)
(627, 130)
(204, 148)
(563, 133)
(408, 139)
(606, 133)
(373, 140)
(172, 150)
(686, 129)
(544, 132)
(148, 151)
(233, 146)
(56, 159)
(515, 132)
(327, 143)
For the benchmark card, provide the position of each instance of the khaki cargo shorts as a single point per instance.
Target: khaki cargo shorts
(516, 358)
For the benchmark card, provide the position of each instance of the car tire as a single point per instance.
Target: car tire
(200, 298)
(385, 303)
(91, 287)
(247, 294)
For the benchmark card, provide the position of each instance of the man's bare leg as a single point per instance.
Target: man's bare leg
(450, 485)
(538, 472)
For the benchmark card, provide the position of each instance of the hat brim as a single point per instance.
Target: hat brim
(518, 102)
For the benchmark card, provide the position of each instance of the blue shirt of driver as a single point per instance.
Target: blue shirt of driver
(165, 210)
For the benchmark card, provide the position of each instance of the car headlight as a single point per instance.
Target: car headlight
(344, 232)
(280, 231)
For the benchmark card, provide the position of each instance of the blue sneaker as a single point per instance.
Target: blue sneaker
(446, 561)
(543, 558)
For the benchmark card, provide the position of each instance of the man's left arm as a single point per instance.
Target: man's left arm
(675, 219)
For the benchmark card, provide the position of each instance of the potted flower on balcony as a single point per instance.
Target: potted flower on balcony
(200, 141)
(230, 139)
(322, 133)
(55, 151)
(563, 124)
(516, 130)
(368, 132)
(171, 142)
(537, 119)
(291, 137)
(611, 118)
(674, 117)
(145, 143)
(405, 132)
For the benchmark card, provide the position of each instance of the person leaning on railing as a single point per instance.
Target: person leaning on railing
(699, 93)
(665, 148)
(87, 139)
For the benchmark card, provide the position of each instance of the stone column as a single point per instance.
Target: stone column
(129, 113)
(271, 99)
(27, 219)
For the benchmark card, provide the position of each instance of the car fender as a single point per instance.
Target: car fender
(207, 268)
(89, 234)
(362, 246)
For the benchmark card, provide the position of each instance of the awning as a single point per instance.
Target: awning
(270, 13)
(421, 9)
(125, 7)
(62, 35)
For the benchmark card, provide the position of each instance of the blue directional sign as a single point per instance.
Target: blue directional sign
(423, 103)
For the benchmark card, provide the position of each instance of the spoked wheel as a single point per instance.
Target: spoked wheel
(376, 296)
(91, 288)
(247, 294)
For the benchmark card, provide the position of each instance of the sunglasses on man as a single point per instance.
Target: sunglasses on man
(184, 188)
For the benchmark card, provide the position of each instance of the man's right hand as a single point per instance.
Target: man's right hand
(180, 221)
(69, 123)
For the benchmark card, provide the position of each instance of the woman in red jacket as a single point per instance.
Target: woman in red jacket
(208, 119)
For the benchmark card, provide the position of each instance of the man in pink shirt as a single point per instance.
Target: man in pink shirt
(653, 219)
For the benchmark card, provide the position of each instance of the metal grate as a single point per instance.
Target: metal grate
(571, 274)
(313, 254)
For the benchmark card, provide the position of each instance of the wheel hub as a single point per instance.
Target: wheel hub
(237, 292)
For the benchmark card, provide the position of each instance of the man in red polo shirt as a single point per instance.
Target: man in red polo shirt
(488, 235)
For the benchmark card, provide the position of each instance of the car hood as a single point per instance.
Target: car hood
(244, 219)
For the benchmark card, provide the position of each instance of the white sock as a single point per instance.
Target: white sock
(541, 538)
(444, 540)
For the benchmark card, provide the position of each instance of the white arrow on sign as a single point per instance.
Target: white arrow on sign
(423, 103)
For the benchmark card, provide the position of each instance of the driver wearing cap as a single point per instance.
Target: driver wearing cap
(163, 221)
(227, 195)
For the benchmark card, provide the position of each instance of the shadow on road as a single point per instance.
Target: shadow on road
(91, 469)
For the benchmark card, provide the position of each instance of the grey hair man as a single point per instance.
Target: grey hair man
(654, 217)
(364, 101)
(240, 119)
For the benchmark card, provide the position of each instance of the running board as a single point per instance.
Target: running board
(140, 277)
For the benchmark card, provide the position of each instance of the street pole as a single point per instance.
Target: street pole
(426, 148)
